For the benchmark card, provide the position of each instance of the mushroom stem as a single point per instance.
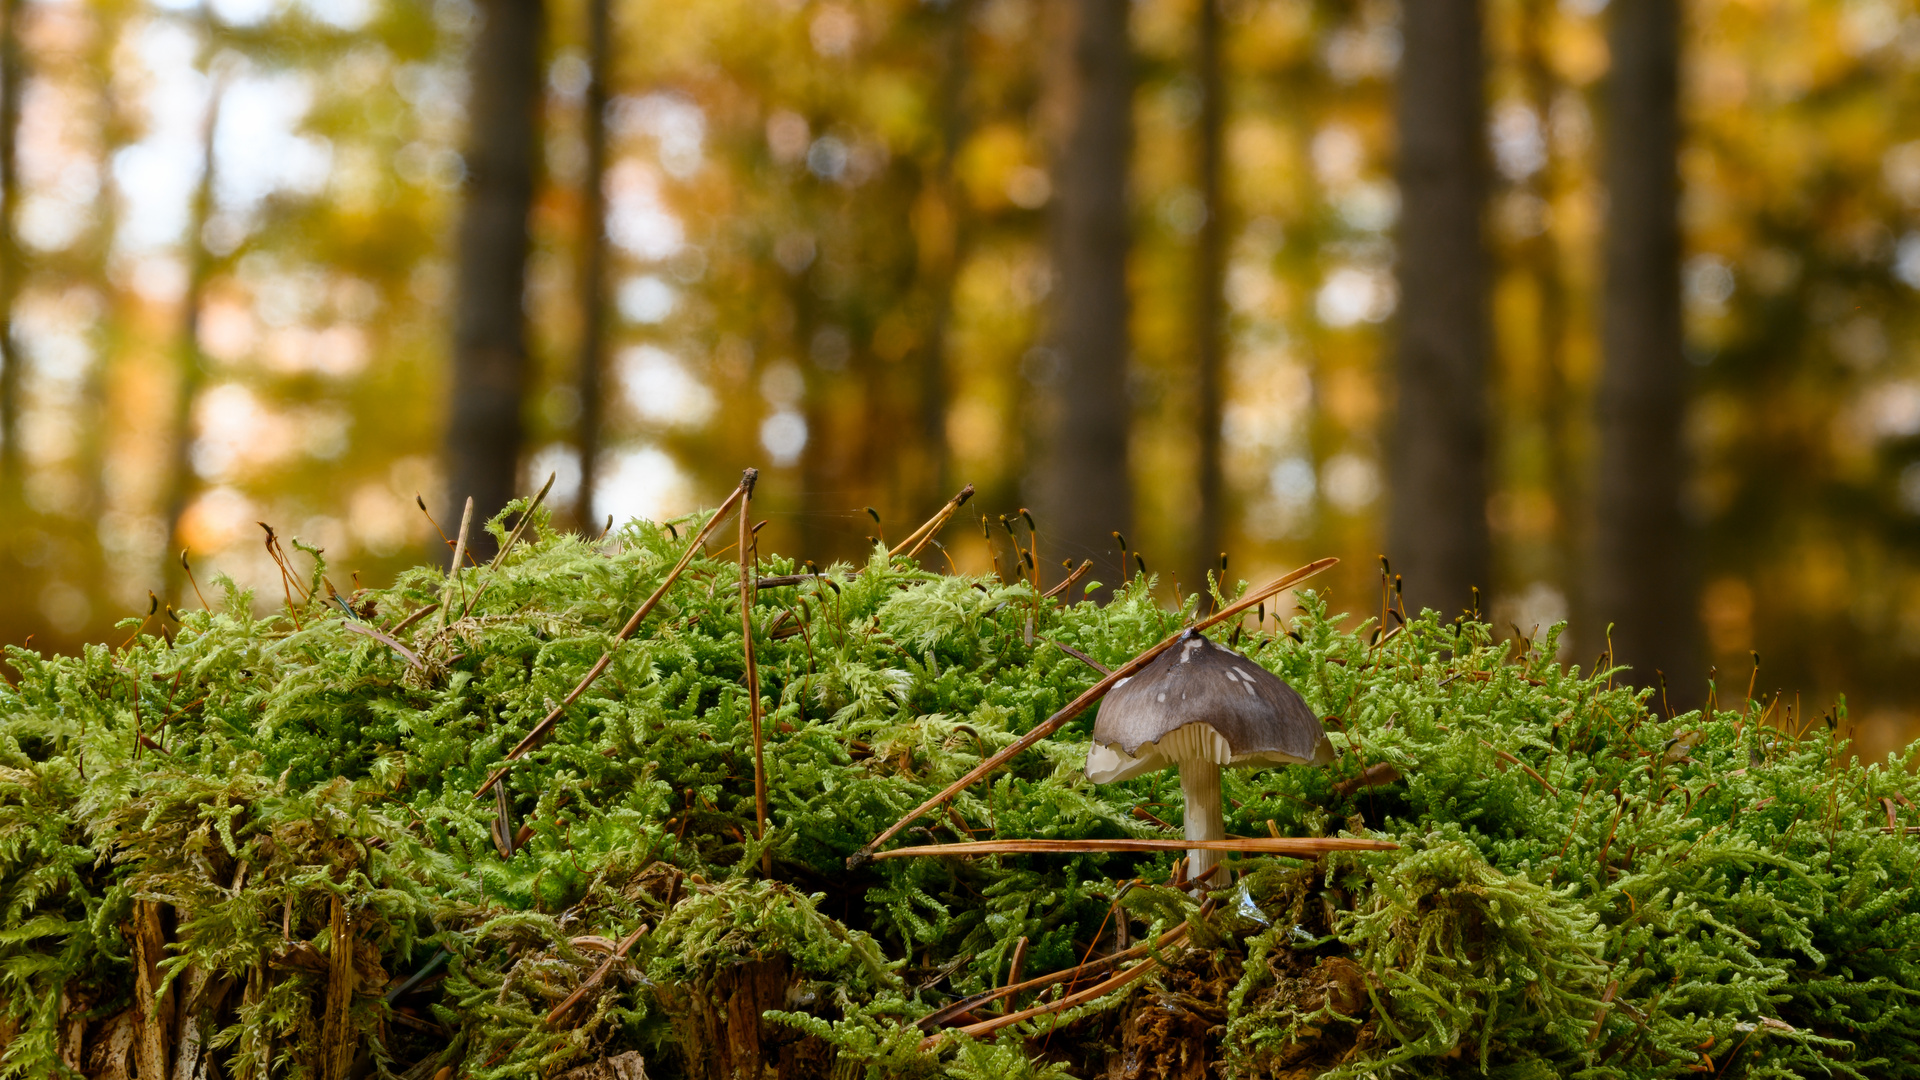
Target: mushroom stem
(1200, 785)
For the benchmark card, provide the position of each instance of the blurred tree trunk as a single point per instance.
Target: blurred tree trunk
(942, 240)
(12, 266)
(181, 484)
(593, 259)
(1437, 517)
(1078, 465)
(1544, 258)
(1639, 575)
(1209, 268)
(489, 375)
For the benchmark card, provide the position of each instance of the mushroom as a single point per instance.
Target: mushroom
(1202, 706)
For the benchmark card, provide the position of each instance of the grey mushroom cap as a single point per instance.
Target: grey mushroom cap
(1200, 700)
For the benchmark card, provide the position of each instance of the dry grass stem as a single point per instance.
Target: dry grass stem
(512, 539)
(406, 654)
(747, 590)
(453, 571)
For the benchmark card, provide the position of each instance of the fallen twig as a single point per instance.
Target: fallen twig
(1092, 694)
(1097, 990)
(968, 1004)
(1258, 845)
(545, 727)
(415, 617)
(599, 974)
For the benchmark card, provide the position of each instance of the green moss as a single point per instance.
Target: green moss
(1584, 887)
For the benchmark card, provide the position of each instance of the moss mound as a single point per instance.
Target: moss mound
(248, 847)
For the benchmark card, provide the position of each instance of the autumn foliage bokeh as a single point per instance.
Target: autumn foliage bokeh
(231, 284)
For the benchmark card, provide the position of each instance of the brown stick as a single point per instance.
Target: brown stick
(599, 975)
(1092, 694)
(545, 727)
(966, 1005)
(1100, 989)
(1258, 845)
(747, 590)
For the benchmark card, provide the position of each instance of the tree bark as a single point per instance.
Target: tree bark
(1079, 480)
(489, 376)
(593, 258)
(1209, 269)
(1437, 516)
(1640, 578)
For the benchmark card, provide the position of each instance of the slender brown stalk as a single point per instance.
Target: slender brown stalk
(1256, 845)
(453, 571)
(747, 590)
(1060, 589)
(918, 539)
(1088, 697)
(545, 727)
(195, 582)
(1019, 959)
